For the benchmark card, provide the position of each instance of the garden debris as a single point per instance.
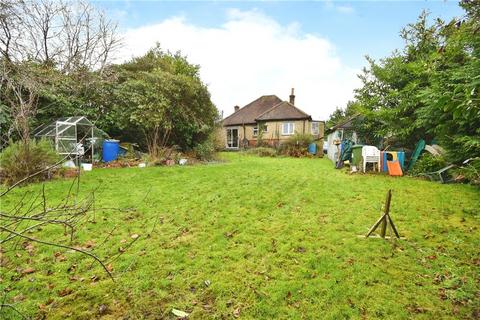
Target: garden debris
(134, 236)
(120, 163)
(180, 313)
(207, 283)
(435, 150)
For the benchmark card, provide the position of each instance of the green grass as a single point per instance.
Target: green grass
(274, 237)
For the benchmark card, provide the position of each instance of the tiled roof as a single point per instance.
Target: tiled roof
(283, 111)
(251, 111)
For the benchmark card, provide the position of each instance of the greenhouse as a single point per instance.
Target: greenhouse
(74, 136)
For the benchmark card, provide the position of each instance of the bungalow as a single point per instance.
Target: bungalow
(269, 119)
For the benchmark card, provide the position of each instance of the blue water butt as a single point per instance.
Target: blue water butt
(312, 148)
(110, 150)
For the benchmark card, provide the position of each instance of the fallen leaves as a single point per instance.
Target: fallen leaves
(18, 298)
(180, 313)
(89, 244)
(417, 309)
(30, 248)
(28, 271)
(134, 236)
(72, 268)
(59, 257)
(301, 250)
(65, 292)
(236, 312)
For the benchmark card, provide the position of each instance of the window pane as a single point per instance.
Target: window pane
(315, 128)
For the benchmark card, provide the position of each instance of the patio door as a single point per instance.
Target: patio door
(232, 138)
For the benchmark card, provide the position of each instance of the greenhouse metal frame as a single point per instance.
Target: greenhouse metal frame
(64, 133)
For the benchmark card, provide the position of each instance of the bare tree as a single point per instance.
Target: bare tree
(64, 34)
(20, 89)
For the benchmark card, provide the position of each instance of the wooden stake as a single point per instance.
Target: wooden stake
(385, 220)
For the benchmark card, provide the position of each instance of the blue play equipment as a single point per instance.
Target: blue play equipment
(392, 156)
(110, 150)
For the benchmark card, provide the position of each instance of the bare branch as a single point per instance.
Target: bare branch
(60, 246)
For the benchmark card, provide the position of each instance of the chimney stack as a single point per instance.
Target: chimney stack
(236, 108)
(292, 97)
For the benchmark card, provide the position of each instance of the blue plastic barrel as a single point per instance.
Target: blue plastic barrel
(110, 150)
(312, 148)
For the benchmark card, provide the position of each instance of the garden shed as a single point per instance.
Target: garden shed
(337, 134)
(75, 136)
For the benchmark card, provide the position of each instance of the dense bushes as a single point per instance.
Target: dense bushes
(427, 163)
(205, 151)
(470, 172)
(296, 145)
(20, 160)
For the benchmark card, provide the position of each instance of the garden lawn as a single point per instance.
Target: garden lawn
(255, 238)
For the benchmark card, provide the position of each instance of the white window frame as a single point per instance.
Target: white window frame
(255, 131)
(238, 137)
(317, 129)
(290, 128)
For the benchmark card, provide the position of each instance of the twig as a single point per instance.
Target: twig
(154, 225)
(62, 246)
(124, 250)
(3, 305)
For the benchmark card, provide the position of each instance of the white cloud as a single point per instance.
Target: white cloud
(251, 55)
(345, 9)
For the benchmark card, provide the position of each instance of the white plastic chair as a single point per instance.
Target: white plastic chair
(370, 154)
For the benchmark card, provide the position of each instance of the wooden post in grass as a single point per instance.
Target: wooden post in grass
(385, 220)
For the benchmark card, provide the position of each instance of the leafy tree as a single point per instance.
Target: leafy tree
(427, 90)
(161, 96)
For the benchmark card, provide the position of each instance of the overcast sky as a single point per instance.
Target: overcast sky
(249, 49)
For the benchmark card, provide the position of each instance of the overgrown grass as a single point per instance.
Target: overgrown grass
(259, 238)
